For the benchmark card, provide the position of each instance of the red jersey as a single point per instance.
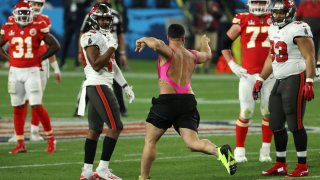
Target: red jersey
(254, 40)
(38, 18)
(24, 42)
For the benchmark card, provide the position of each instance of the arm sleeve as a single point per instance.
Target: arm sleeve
(118, 76)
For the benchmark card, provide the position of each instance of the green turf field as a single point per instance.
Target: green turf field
(217, 101)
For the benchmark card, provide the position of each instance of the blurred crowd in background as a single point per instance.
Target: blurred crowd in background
(151, 17)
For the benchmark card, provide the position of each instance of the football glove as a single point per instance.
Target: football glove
(237, 69)
(307, 90)
(129, 93)
(257, 88)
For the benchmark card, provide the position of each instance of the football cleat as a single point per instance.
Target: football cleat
(13, 139)
(87, 175)
(20, 148)
(240, 155)
(105, 174)
(279, 168)
(265, 155)
(51, 146)
(35, 136)
(300, 171)
(226, 158)
(149, 178)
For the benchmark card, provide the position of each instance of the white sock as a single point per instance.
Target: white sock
(266, 145)
(103, 164)
(34, 129)
(88, 167)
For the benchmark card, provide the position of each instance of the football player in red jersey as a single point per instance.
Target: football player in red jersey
(24, 37)
(252, 28)
(37, 7)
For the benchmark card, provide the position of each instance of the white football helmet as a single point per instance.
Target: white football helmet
(259, 7)
(23, 14)
(37, 9)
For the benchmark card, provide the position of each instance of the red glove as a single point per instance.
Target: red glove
(307, 91)
(256, 89)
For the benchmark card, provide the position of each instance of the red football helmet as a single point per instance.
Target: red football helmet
(23, 13)
(37, 9)
(285, 7)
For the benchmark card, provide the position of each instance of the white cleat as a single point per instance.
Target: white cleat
(35, 136)
(87, 175)
(265, 155)
(13, 139)
(240, 155)
(105, 174)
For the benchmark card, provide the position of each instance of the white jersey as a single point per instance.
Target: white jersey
(104, 42)
(286, 56)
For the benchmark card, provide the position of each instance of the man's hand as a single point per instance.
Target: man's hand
(57, 72)
(57, 77)
(140, 44)
(204, 40)
(257, 88)
(307, 90)
(237, 69)
(129, 93)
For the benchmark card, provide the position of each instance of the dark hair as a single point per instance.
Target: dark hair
(176, 31)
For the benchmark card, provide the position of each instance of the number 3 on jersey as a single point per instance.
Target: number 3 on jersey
(21, 50)
(282, 54)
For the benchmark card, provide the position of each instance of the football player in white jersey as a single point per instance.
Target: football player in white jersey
(98, 47)
(292, 62)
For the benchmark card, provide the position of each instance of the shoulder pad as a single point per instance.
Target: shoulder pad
(89, 38)
(300, 28)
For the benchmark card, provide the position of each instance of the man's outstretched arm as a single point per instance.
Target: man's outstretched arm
(155, 44)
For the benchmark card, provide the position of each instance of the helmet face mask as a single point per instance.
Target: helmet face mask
(23, 14)
(100, 18)
(259, 7)
(283, 12)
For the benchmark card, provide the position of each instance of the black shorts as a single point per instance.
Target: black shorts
(103, 108)
(286, 103)
(179, 110)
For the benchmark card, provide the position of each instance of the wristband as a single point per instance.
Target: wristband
(260, 79)
(122, 52)
(55, 67)
(309, 80)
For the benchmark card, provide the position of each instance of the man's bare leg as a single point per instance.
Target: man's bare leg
(153, 134)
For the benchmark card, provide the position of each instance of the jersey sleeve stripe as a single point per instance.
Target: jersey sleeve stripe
(44, 30)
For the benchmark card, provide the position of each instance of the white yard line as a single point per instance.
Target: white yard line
(143, 75)
(127, 160)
